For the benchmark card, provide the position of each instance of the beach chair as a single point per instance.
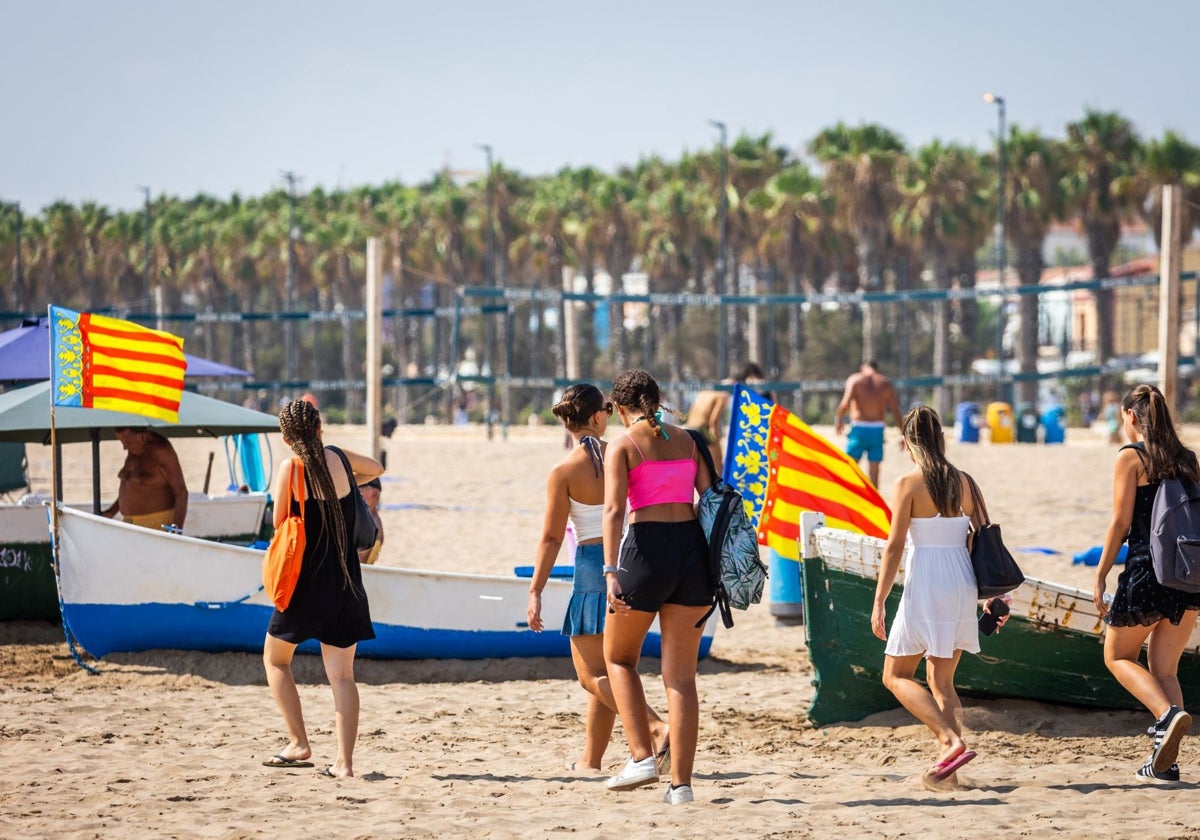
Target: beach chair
(14, 468)
(244, 455)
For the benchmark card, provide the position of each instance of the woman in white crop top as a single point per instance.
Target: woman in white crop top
(575, 493)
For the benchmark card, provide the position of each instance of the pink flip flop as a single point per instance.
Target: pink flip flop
(944, 769)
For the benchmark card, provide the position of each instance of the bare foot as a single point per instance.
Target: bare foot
(952, 751)
(336, 772)
(291, 755)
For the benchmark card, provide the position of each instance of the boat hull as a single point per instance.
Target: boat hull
(1050, 650)
(27, 589)
(130, 589)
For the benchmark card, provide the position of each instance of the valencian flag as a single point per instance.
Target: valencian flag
(102, 362)
(782, 467)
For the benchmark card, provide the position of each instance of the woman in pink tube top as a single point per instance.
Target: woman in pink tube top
(575, 493)
(659, 568)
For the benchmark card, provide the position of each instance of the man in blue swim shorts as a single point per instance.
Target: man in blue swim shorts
(868, 398)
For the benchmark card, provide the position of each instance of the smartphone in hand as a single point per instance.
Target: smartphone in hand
(997, 607)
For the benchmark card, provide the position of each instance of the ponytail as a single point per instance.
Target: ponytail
(1166, 456)
(926, 442)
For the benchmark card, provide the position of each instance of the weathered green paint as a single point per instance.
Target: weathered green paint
(1028, 659)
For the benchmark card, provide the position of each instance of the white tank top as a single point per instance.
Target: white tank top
(588, 520)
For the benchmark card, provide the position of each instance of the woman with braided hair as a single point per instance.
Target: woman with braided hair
(936, 619)
(575, 492)
(329, 604)
(660, 568)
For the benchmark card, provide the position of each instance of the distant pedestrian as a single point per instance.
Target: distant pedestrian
(869, 396)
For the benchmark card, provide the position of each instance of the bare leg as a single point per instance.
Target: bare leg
(588, 655)
(277, 659)
(339, 668)
(1122, 646)
(1166, 647)
(873, 472)
(940, 673)
(681, 647)
(623, 637)
(898, 676)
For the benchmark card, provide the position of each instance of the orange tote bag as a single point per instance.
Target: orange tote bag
(281, 562)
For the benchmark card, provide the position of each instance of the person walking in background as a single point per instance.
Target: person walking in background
(936, 619)
(661, 568)
(575, 492)
(1112, 416)
(152, 492)
(1143, 611)
(868, 397)
(329, 603)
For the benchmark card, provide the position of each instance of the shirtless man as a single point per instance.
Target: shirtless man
(869, 394)
(152, 492)
(706, 416)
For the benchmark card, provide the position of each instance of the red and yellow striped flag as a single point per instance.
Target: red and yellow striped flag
(782, 467)
(102, 362)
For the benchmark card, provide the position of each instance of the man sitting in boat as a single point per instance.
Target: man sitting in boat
(152, 490)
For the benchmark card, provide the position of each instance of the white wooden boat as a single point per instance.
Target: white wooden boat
(27, 589)
(126, 588)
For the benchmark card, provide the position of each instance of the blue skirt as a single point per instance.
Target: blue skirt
(589, 596)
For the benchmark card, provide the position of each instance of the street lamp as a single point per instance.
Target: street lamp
(722, 254)
(998, 101)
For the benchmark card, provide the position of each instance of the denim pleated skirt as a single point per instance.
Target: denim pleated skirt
(589, 595)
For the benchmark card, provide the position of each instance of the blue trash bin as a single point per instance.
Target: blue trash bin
(786, 590)
(966, 418)
(1054, 428)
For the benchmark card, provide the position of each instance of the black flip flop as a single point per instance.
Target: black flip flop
(285, 762)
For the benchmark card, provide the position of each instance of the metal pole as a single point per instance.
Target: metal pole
(489, 349)
(146, 270)
(1001, 192)
(18, 280)
(722, 256)
(289, 334)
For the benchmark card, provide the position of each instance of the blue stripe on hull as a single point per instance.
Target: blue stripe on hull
(107, 628)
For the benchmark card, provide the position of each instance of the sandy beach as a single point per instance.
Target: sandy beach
(169, 743)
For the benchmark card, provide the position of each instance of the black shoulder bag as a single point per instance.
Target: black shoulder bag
(996, 572)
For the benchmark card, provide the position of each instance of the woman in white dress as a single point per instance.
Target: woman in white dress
(937, 619)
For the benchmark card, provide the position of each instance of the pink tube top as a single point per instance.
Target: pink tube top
(662, 482)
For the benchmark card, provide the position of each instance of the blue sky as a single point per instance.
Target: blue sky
(222, 95)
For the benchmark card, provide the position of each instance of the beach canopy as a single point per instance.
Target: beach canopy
(25, 416)
(25, 356)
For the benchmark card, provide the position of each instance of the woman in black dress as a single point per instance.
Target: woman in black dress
(329, 603)
(1142, 609)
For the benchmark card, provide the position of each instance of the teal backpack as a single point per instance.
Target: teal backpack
(738, 575)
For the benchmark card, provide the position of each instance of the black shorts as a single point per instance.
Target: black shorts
(664, 563)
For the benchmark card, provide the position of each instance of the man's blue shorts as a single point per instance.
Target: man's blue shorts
(865, 438)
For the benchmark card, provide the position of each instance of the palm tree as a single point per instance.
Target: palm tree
(1102, 154)
(861, 164)
(1171, 160)
(1035, 199)
(944, 198)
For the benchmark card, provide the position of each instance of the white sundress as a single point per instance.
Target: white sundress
(937, 614)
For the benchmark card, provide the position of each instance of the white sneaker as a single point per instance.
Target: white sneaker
(678, 795)
(635, 774)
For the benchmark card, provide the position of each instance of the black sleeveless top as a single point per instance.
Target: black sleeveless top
(325, 606)
(1140, 598)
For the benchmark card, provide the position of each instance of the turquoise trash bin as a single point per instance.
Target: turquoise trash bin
(786, 591)
(1054, 425)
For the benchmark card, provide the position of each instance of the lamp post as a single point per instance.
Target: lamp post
(146, 269)
(722, 254)
(289, 328)
(998, 101)
(489, 354)
(17, 289)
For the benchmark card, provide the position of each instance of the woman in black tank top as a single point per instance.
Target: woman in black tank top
(1142, 609)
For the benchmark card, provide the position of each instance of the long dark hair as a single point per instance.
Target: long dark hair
(1166, 456)
(637, 389)
(923, 436)
(300, 422)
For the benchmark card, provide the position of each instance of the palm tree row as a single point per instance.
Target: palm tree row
(868, 214)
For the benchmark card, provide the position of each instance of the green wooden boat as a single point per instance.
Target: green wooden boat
(1051, 649)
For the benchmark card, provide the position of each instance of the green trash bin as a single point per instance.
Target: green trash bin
(1027, 423)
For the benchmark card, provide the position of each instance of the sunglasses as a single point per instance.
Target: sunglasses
(608, 408)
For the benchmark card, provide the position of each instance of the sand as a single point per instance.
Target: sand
(169, 744)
